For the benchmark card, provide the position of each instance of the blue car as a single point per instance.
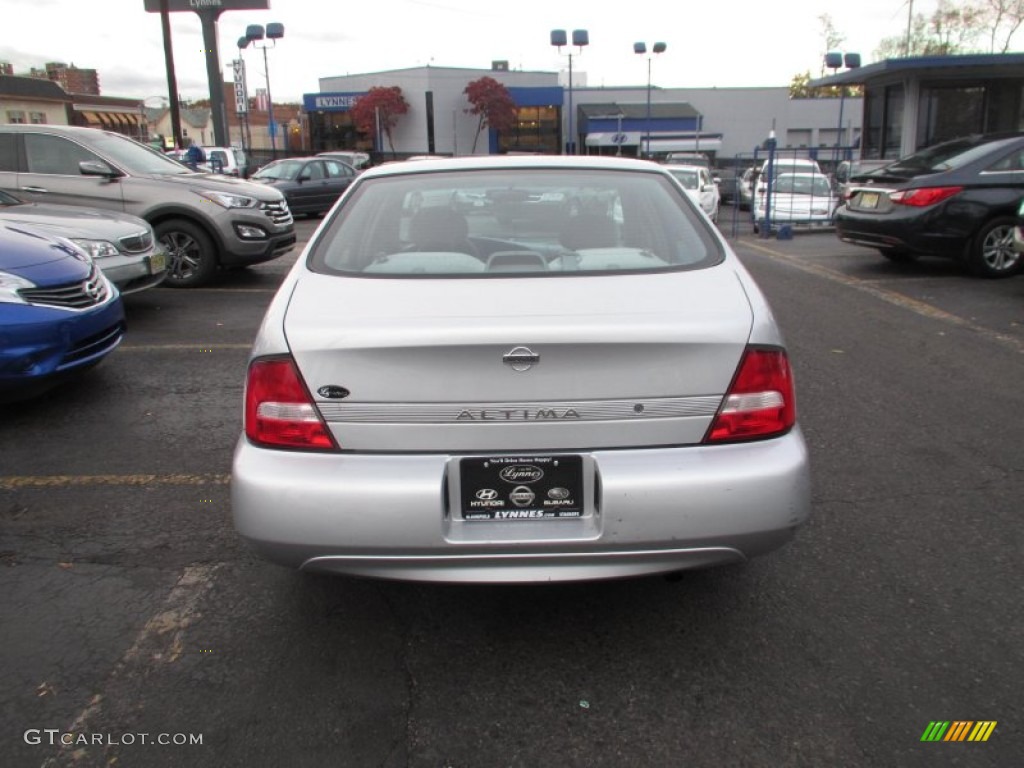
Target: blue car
(58, 314)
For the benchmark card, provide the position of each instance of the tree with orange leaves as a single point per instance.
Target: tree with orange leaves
(492, 102)
(383, 104)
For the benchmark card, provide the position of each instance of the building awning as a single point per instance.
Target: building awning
(659, 143)
(705, 144)
(90, 118)
(116, 121)
(614, 139)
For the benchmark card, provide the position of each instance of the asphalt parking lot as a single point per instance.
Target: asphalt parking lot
(128, 606)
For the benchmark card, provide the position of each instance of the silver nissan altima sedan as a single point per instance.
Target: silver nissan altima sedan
(572, 378)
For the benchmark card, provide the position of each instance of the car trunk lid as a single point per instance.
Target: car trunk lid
(514, 363)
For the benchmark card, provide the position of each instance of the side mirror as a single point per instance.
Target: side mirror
(96, 168)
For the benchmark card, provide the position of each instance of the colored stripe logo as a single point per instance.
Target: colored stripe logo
(958, 730)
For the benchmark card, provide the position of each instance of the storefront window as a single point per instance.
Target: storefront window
(883, 123)
(946, 112)
(893, 122)
(874, 110)
(536, 130)
(335, 130)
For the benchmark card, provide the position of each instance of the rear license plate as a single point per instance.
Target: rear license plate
(521, 487)
(869, 200)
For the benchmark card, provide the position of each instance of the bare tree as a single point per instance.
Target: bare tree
(1004, 17)
(952, 28)
(831, 36)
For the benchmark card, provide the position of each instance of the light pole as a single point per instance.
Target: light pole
(274, 32)
(580, 38)
(641, 48)
(834, 60)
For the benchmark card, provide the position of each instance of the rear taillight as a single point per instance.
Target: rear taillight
(760, 402)
(279, 413)
(925, 196)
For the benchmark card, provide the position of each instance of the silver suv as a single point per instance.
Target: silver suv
(205, 221)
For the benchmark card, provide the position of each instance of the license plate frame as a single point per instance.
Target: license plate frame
(518, 488)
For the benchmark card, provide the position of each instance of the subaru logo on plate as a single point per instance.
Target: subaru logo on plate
(487, 494)
(522, 496)
(521, 473)
(521, 358)
(558, 493)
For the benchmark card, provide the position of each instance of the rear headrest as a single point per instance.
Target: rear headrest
(588, 230)
(438, 226)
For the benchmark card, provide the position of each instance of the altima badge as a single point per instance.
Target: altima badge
(521, 358)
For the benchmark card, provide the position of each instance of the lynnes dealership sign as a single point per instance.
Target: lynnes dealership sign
(153, 6)
(330, 102)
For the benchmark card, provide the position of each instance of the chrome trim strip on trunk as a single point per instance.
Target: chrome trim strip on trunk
(520, 412)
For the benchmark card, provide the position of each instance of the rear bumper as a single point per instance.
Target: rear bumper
(649, 511)
(913, 231)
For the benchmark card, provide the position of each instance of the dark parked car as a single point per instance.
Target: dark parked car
(59, 315)
(309, 184)
(123, 246)
(728, 184)
(956, 200)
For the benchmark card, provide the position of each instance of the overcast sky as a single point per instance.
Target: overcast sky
(724, 44)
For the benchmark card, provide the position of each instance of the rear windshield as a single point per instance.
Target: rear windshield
(502, 222)
(803, 184)
(941, 157)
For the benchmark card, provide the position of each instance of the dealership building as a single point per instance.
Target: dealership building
(728, 123)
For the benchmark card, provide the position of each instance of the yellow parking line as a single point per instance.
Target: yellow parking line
(13, 482)
(920, 307)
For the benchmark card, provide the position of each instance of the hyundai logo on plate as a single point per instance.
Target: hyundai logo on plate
(487, 494)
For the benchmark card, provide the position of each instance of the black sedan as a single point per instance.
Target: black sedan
(309, 184)
(955, 200)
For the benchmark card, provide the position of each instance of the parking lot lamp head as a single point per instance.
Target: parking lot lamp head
(641, 49)
(580, 38)
(273, 32)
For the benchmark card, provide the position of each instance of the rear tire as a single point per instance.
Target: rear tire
(191, 257)
(992, 254)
